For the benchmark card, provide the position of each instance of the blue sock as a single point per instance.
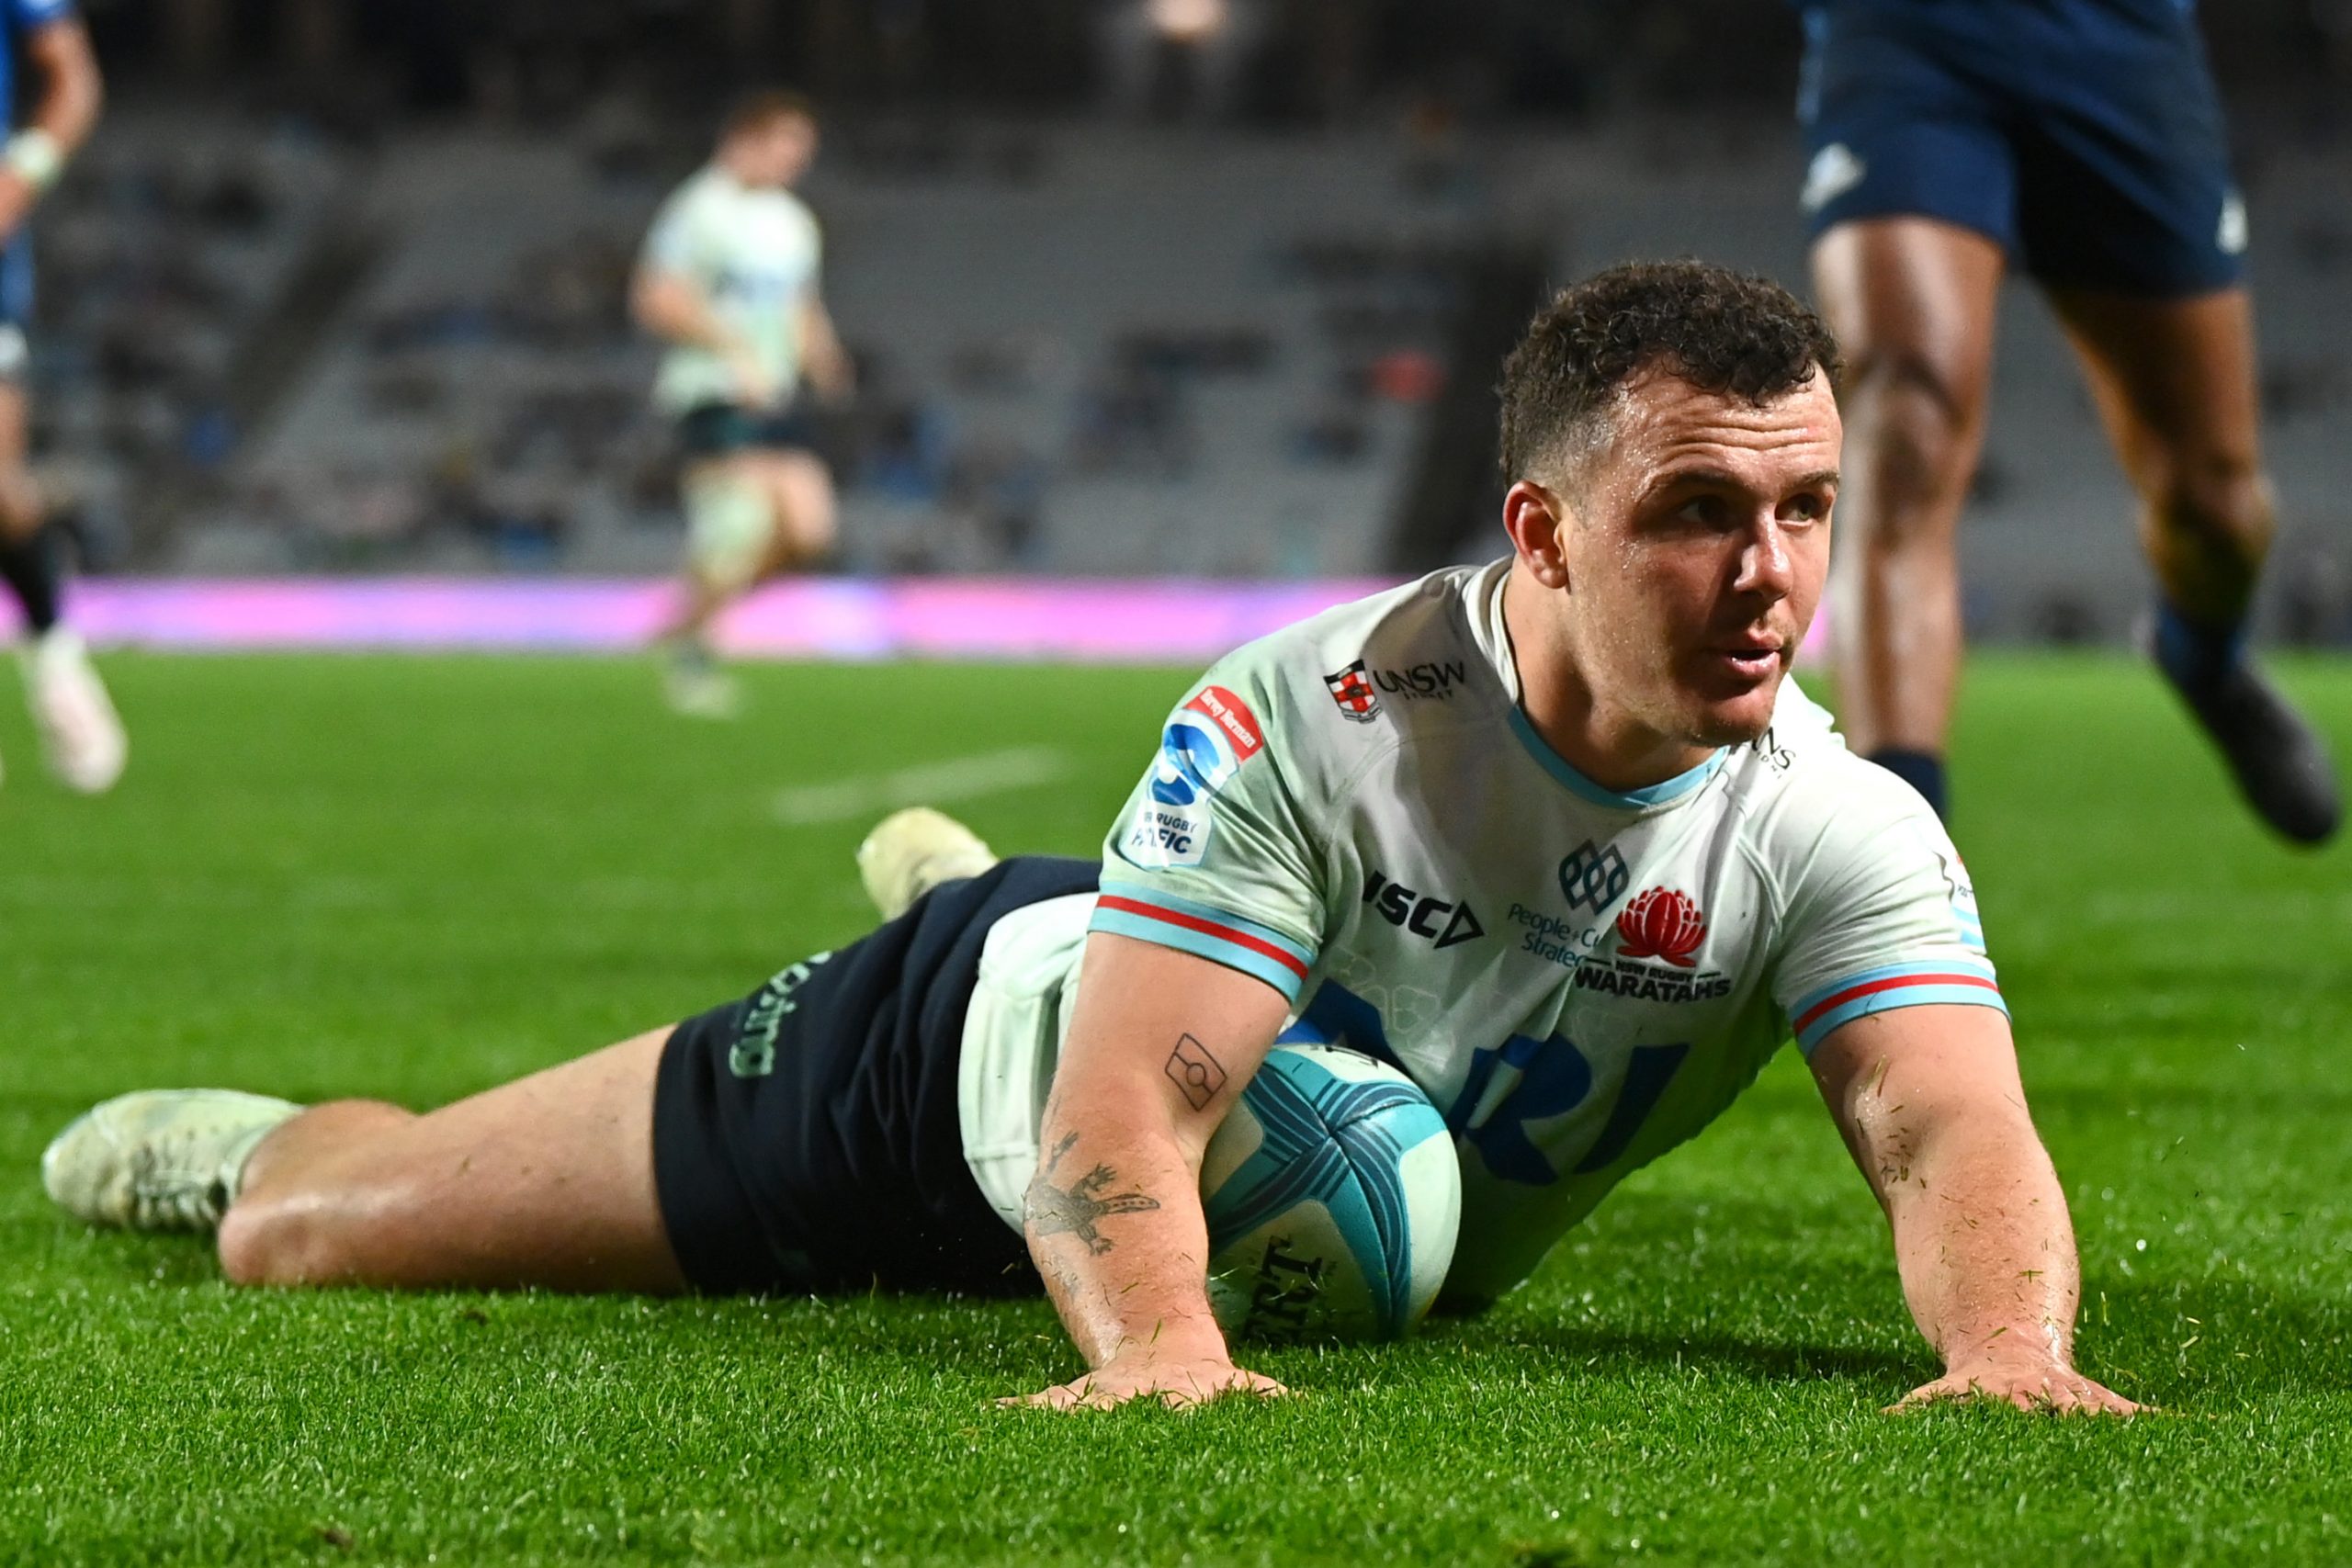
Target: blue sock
(2196, 653)
(1922, 770)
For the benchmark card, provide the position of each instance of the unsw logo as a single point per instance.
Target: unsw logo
(1351, 689)
(1356, 689)
(1402, 907)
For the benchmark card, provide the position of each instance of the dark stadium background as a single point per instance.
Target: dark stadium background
(337, 288)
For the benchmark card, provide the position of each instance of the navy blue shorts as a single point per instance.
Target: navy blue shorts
(806, 1139)
(2087, 142)
(719, 430)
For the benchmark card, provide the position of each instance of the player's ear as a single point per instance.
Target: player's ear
(1535, 517)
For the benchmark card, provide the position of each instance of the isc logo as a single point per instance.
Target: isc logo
(1443, 924)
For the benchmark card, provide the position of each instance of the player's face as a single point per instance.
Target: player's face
(1696, 551)
(778, 152)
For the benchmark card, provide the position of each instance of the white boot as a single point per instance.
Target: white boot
(79, 729)
(162, 1160)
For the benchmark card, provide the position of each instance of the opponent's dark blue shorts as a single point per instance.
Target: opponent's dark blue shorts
(2085, 137)
(16, 303)
(806, 1139)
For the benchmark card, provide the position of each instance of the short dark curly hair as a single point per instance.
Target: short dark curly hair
(1721, 330)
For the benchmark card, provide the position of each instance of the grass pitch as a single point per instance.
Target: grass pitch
(413, 877)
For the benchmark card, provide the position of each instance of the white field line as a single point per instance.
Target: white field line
(925, 784)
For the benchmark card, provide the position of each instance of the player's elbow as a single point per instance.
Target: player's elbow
(644, 304)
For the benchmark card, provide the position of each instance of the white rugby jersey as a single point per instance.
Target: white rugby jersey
(754, 255)
(1355, 811)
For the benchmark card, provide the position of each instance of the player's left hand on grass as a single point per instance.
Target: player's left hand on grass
(1180, 1385)
(2036, 1385)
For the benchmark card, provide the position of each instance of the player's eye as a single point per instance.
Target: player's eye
(1806, 508)
(1707, 511)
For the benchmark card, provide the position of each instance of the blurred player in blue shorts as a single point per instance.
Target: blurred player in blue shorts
(77, 722)
(728, 280)
(2081, 141)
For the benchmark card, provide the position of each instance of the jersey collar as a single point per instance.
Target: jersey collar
(1577, 783)
(1485, 596)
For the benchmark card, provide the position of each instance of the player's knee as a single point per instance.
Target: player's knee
(21, 514)
(271, 1242)
(730, 523)
(2221, 498)
(1918, 419)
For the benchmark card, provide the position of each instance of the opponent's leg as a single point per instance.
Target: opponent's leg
(1912, 301)
(80, 732)
(2174, 383)
(545, 1181)
(730, 525)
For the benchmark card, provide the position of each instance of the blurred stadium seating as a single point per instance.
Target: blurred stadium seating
(1091, 345)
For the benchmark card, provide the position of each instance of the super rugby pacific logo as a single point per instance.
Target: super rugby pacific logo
(1204, 744)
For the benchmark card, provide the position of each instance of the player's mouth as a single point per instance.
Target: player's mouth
(1749, 660)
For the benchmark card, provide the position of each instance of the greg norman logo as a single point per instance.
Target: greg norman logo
(1593, 876)
(1445, 924)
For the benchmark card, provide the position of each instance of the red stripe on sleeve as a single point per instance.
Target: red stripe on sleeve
(1892, 982)
(1207, 928)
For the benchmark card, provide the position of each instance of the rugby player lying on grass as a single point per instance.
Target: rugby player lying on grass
(1554, 835)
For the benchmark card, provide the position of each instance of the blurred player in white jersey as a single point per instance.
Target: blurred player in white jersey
(78, 728)
(1552, 836)
(728, 279)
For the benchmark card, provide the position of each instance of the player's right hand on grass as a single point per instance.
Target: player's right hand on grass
(1178, 1384)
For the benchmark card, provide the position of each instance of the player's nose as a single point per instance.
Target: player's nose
(1766, 568)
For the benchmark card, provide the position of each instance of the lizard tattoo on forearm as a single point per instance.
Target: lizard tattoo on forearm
(1074, 1210)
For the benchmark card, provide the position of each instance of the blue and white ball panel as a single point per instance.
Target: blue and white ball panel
(1333, 1199)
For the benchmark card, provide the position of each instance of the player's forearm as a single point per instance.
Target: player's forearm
(68, 109)
(1114, 1221)
(1985, 1244)
(676, 312)
(828, 361)
(70, 87)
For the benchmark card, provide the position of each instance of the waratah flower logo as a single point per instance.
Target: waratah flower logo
(1662, 923)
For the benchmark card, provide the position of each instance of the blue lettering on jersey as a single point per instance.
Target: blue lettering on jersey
(1555, 1078)
(752, 286)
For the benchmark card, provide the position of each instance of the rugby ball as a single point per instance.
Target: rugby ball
(1333, 1197)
